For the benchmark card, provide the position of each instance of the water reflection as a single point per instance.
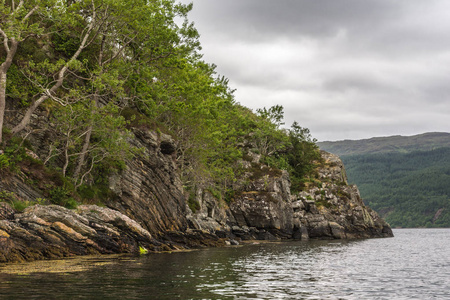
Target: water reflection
(414, 265)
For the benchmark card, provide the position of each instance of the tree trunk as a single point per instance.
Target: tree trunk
(3, 71)
(27, 117)
(2, 100)
(87, 138)
(50, 92)
(82, 158)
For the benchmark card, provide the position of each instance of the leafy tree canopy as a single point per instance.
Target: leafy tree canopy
(100, 67)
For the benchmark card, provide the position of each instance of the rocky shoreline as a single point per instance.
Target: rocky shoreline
(148, 210)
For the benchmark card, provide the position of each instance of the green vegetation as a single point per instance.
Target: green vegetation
(16, 203)
(302, 158)
(98, 68)
(390, 144)
(407, 189)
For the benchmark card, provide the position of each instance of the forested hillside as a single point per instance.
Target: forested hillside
(409, 188)
(401, 144)
(117, 137)
(99, 68)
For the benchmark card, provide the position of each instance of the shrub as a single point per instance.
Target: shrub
(4, 162)
(61, 196)
(193, 203)
(16, 203)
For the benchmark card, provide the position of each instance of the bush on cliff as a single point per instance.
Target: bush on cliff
(100, 67)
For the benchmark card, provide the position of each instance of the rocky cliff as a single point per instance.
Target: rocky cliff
(265, 209)
(147, 208)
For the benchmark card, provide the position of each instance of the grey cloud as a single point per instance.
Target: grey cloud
(268, 18)
(344, 69)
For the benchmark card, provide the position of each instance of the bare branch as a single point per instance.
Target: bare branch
(81, 135)
(5, 40)
(30, 13)
(24, 138)
(18, 6)
(78, 76)
(93, 162)
(50, 155)
(54, 98)
(120, 50)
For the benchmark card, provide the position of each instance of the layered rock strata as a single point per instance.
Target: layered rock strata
(330, 209)
(336, 210)
(148, 208)
(53, 231)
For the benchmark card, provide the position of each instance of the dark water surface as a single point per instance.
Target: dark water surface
(415, 264)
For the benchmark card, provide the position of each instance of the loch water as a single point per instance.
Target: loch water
(415, 264)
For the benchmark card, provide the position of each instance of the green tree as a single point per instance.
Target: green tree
(109, 139)
(91, 36)
(267, 136)
(105, 52)
(274, 114)
(19, 21)
(303, 156)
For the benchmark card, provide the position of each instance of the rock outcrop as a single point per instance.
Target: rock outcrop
(53, 231)
(149, 190)
(148, 208)
(336, 210)
(265, 209)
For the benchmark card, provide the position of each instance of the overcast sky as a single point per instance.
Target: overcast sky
(346, 69)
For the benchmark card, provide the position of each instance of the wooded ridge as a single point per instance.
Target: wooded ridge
(405, 179)
(109, 103)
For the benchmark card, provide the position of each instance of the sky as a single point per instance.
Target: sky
(345, 69)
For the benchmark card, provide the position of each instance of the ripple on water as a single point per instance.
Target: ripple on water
(413, 265)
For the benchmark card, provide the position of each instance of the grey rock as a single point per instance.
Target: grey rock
(53, 231)
(234, 242)
(148, 208)
(344, 215)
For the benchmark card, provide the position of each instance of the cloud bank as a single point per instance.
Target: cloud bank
(346, 69)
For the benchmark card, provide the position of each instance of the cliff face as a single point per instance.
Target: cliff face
(265, 209)
(336, 209)
(149, 209)
(149, 190)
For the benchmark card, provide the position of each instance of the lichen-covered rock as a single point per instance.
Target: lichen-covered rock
(149, 190)
(336, 210)
(211, 215)
(149, 209)
(265, 204)
(6, 211)
(263, 207)
(53, 231)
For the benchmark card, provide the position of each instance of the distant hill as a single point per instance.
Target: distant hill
(397, 143)
(405, 179)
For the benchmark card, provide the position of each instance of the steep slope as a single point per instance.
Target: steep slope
(266, 209)
(148, 208)
(408, 190)
(88, 105)
(406, 183)
(402, 144)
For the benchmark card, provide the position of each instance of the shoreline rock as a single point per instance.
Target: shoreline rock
(149, 209)
(266, 210)
(42, 232)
